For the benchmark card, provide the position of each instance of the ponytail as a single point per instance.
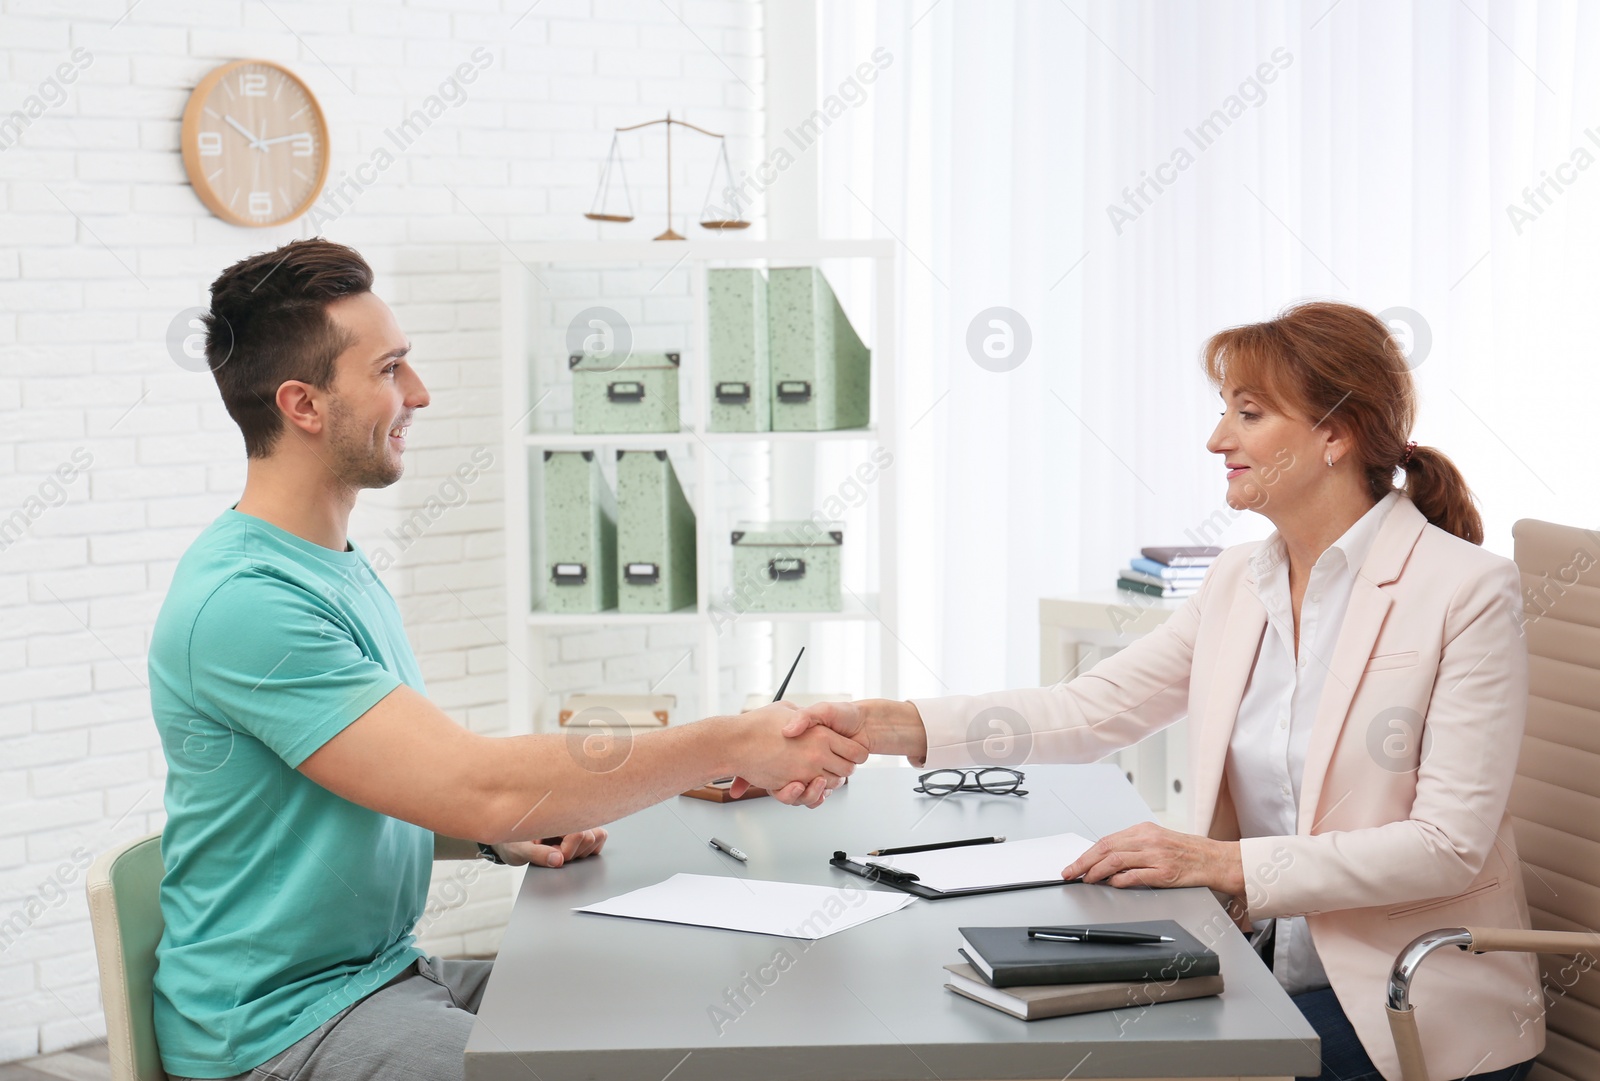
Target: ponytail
(1440, 492)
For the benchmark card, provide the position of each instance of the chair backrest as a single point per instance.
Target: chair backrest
(125, 912)
(1555, 801)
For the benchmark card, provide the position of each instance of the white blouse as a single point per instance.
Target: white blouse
(1267, 752)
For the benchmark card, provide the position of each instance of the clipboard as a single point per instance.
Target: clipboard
(906, 881)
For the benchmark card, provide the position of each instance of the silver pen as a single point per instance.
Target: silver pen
(724, 846)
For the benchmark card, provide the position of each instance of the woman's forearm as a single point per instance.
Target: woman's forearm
(893, 727)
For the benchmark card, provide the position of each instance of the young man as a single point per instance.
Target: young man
(309, 776)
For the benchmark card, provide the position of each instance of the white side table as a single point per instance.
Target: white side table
(1075, 634)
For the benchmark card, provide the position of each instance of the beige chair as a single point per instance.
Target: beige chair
(1555, 804)
(125, 911)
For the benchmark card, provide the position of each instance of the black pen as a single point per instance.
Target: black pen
(936, 845)
(1092, 935)
(785, 684)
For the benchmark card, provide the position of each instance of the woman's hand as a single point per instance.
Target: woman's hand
(880, 725)
(552, 851)
(1152, 855)
(798, 767)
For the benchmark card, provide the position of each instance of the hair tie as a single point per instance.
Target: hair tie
(1406, 457)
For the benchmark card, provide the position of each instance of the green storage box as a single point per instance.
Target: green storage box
(821, 373)
(580, 534)
(787, 566)
(637, 394)
(736, 332)
(655, 535)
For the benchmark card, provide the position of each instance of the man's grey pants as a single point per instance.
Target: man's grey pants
(414, 1028)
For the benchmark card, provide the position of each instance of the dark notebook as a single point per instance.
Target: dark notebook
(1006, 957)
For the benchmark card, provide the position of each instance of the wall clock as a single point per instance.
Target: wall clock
(255, 144)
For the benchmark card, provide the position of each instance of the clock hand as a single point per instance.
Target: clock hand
(242, 130)
(286, 138)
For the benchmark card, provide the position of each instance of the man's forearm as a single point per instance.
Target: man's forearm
(407, 759)
(549, 785)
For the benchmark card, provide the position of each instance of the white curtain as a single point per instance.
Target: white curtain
(1435, 158)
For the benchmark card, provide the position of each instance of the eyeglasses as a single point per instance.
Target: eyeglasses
(994, 780)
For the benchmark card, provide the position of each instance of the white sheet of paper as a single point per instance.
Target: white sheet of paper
(1037, 859)
(788, 909)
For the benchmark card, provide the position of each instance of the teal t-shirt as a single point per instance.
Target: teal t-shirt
(284, 903)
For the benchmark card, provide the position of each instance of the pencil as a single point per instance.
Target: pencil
(936, 845)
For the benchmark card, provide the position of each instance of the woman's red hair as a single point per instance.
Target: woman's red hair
(1326, 361)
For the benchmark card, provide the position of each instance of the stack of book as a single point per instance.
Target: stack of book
(1167, 572)
(1032, 978)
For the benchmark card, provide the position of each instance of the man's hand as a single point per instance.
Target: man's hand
(845, 718)
(803, 766)
(552, 851)
(1151, 855)
(880, 725)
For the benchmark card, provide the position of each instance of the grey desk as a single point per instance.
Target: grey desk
(582, 996)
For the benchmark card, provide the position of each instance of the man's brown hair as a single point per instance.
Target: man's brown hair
(269, 323)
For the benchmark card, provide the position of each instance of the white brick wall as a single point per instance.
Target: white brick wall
(102, 242)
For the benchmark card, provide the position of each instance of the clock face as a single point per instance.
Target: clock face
(255, 144)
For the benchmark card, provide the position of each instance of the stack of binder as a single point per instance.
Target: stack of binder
(655, 535)
(737, 340)
(1167, 572)
(783, 355)
(1031, 979)
(820, 368)
(634, 551)
(580, 534)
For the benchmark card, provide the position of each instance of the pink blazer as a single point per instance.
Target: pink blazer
(1396, 835)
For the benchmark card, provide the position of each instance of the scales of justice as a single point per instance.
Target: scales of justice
(600, 210)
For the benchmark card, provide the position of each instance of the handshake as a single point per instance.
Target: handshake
(800, 755)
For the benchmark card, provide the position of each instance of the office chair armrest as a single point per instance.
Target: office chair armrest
(1479, 940)
(1506, 939)
(1403, 1020)
(1408, 1044)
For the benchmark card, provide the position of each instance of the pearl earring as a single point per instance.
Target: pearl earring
(1330, 459)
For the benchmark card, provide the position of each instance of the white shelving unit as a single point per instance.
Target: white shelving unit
(526, 296)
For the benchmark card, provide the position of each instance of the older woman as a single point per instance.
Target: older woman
(1356, 686)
